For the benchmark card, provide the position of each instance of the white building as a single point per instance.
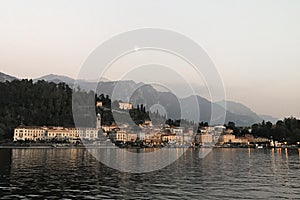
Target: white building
(37, 133)
(177, 130)
(125, 106)
(33, 133)
(120, 136)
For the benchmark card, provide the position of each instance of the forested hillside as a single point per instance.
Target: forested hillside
(50, 104)
(38, 104)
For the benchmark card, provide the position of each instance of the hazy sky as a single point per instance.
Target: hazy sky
(255, 44)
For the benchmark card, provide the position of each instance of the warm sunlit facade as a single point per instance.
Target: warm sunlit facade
(35, 133)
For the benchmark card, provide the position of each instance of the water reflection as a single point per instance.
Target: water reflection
(136, 160)
(286, 153)
(5, 167)
(223, 173)
(249, 152)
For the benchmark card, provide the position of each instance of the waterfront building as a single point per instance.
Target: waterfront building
(187, 138)
(168, 137)
(203, 139)
(141, 136)
(260, 140)
(131, 137)
(240, 140)
(75, 134)
(275, 144)
(226, 138)
(175, 139)
(206, 139)
(56, 133)
(178, 139)
(90, 133)
(33, 133)
(120, 136)
(156, 138)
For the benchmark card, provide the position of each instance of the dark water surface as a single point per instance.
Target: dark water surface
(223, 174)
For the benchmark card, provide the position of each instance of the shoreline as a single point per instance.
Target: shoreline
(116, 147)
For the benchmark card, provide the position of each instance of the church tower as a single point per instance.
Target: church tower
(98, 126)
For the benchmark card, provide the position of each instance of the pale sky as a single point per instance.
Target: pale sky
(255, 44)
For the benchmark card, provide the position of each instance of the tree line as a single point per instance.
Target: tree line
(286, 130)
(41, 103)
(34, 104)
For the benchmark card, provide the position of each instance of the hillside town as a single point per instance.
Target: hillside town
(37, 118)
(148, 135)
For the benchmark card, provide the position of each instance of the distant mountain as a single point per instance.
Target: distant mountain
(190, 106)
(145, 94)
(269, 118)
(141, 93)
(235, 112)
(205, 109)
(56, 79)
(60, 78)
(84, 84)
(6, 77)
(241, 110)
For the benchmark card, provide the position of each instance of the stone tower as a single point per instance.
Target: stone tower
(98, 126)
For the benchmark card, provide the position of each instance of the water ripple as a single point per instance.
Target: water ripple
(224, 173)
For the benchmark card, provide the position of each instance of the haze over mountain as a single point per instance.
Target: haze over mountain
(60, 78)
(269, 118)
(240, 109)
(149, 96)
(56, 79)
(5, 77)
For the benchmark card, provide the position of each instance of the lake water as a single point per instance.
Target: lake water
(222, 174)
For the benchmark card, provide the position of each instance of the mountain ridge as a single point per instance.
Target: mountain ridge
(236, 112)
(5, 77)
